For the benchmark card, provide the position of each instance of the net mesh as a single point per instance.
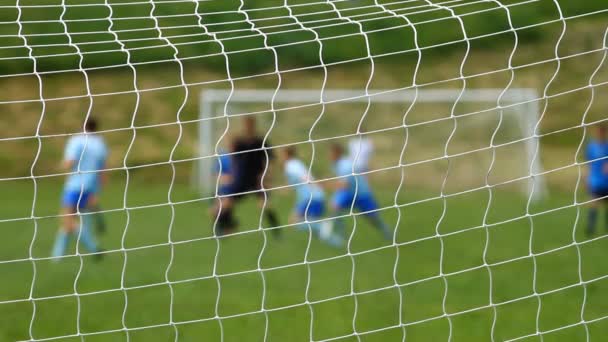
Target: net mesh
(469, 257)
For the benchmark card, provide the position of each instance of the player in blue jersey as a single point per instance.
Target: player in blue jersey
(310, 198)
(85, 155)
(353, 191)
(225, 173)
(597, 174)
(223, 170)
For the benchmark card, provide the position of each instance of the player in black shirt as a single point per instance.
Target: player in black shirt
(250, 157)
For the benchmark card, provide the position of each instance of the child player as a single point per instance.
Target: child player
(310, 198)
(85, 155)
(597, 175)
(353, 190)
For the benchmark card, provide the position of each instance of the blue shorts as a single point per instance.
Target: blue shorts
(224, 189)
(598, 192)
(314, 210)
(364, 202)
(73, 199)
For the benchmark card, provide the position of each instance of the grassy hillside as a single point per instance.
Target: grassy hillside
(155, 129)
(56, 33)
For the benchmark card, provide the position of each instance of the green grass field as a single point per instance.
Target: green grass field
(478, 266)
(307, 293)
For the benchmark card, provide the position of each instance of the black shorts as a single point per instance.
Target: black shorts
(238, 191)
(599, 193)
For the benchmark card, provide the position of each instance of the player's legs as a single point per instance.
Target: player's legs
(85, 236)
(70, 222)
(341, 204)
(604, 204)
(594, 207)
(314, 211)
(67, 226)
(223, 209)
(367, 204)
(269, 213)
(601, 201)
(96, 215)
(223, 190)
(592, 216)
(226, 224)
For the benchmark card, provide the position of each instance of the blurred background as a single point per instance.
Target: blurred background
(140, 68)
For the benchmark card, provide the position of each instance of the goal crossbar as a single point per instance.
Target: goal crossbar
(516, 95)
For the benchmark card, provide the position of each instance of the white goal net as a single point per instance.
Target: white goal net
(303, 170)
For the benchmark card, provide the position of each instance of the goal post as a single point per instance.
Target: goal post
(521, 104)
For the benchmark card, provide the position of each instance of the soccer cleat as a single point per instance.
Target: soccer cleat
(226, 228)
(100, 224)
(277, 234)
(98, 220)
(326, 230)
(226, 223)
(388, 235)
(99, 255)
(335, 241)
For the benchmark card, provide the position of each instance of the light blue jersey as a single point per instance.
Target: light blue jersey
(356, 195)
(88, 154)
(297, 173)
(358, 183)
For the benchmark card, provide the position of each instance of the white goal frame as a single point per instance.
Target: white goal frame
(213, 101)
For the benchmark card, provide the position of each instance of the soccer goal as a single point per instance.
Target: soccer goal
(486, 120)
